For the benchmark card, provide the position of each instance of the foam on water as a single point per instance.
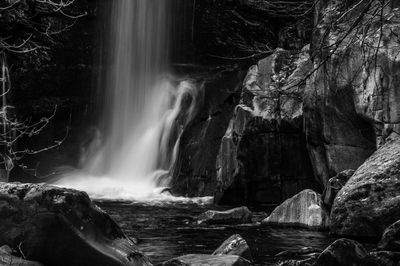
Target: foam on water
(111, 189)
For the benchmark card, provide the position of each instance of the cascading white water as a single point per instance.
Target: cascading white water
(145, 110)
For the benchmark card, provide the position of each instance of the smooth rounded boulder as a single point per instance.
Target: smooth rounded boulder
(303, 210)
(63, 227)
(370, 200)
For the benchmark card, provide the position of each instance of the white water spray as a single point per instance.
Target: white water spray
(146, 112)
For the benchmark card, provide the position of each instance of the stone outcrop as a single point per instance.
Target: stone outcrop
(57, 226)
(263, 157)
(334, 185)
(202, 259)
(235, 245)
(239, 215)
(390, 239)
(304, 209)
(351, 101)
(370, 202)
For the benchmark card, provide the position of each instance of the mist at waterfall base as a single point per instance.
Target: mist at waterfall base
(145, 109)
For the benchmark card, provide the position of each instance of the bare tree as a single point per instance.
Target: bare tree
(28, 29)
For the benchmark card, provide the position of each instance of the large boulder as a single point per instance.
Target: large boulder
(263, 156)
(391, 238)
(57, 226)
(202, 259)
(239, 215)
(304, 209)
(235, 245)
(370, 200)
(344, 252)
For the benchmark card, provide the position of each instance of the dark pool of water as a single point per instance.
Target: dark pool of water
(167, 231)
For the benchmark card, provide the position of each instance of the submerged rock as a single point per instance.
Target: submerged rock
(7, 258)
(304, 209)
(58, 226)
(235, 245)
(334, 185)
(306, 262)
(344, 252)
(305, 251)
(202, 259)
(391, 238)
(370, 200)
(239, 215)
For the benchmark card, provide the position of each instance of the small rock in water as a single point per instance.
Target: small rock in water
(239, 215)
(299, 252)
(304, 210)
(344, 252)
(235, 245)
(207, 260)
(306, 262)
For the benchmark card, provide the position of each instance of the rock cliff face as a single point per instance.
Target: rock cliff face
(194, 172)
(351, 101)
(263, 156)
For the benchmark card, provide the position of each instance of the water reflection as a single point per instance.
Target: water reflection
(167, 231)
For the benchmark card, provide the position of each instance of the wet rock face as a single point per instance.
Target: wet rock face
(239, 215)
(344, 252)
(369, 202)
(263, 156)
(391, 238)
(202, 259)
(304, 210)
(57, 226)
(351, 104)
(235, 245)
(194, 172)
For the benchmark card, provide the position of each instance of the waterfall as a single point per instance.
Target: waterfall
(145, 109)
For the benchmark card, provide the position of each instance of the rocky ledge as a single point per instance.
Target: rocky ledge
(58, 226)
